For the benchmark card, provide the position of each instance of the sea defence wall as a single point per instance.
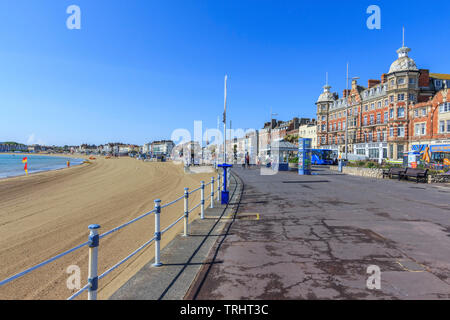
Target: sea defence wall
(362, 172)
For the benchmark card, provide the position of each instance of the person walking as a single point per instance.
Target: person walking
(247, 160)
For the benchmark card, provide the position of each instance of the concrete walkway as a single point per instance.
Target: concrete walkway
(313, 237)
(182, 258)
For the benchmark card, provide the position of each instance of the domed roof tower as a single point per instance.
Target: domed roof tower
(403, 63)
(326, 95)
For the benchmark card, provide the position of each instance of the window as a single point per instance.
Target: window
(392, 82)
(374, 153)
(441, 126)
(378, 136)
(386, 102)
(391, 113)
(424, 112)
(371, 119)
(438, 83)
(323, 127)
(343, 125)
(401, 97)
(379, 104)
(378, 117)
(386, 117)
(323, 118)
(370, 137)
(412, 81)
(420, 129)
(391, 132)
(366, 107)
(416, 113)
(400, 150)
(400, 132)
(412, 97)
(350, 112)
(339, 126)
(391, 98)
(401, 81)
(448, 125)
(400, 112)
(372, 106)
(384, 135)
(445, 107)
(365, 120)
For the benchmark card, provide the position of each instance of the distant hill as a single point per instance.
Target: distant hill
(12, 143)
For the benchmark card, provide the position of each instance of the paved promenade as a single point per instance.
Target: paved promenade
(183, 257)
(313, 237)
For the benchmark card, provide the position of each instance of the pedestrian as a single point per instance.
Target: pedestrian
(247, 160)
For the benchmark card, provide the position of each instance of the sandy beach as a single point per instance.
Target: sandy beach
(46, 213)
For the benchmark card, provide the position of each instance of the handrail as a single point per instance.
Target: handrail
(126, 224)
(20, 274)
(95, 237)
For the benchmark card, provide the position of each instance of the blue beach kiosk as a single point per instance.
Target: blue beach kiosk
(225, 192)
(304, 156)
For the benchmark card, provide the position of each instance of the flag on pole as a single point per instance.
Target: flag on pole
(25, 161)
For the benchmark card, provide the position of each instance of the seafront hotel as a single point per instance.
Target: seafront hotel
(407, 109)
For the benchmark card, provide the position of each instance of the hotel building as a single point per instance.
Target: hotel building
(406, 109)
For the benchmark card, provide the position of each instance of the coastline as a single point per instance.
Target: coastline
(33, 172)
(46, 213)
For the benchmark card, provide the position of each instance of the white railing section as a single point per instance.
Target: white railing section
(94, 239)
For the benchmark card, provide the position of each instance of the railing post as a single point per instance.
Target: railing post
(157, 233)
(93, 261)
(218, 188)
(212, 192)
(202, 205)
(186, 212)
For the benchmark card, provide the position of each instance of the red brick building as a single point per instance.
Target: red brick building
(407, 108)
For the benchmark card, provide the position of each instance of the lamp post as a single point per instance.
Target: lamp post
(270, 128)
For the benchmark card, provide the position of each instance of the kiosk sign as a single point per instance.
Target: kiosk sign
(304, 156)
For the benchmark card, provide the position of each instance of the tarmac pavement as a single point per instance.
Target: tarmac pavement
(314, 237)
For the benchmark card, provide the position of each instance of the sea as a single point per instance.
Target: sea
(11, 164)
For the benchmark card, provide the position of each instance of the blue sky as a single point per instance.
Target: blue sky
(139, 69)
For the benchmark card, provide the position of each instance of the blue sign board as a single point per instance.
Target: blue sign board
(304, 156)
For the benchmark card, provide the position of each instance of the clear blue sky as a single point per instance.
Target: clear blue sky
(139, 69)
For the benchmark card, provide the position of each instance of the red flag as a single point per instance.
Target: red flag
(25, 160)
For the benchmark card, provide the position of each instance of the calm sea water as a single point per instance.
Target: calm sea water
(11, 165)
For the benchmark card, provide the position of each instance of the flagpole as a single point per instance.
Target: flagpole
(346, 121)
(225, 124)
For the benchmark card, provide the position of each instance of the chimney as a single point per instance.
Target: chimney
(373, 83)
(346, 93)
(384, 78)
(424, 78)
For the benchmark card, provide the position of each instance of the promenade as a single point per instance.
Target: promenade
(313, 237)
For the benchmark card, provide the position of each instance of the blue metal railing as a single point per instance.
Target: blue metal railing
(94, 237)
